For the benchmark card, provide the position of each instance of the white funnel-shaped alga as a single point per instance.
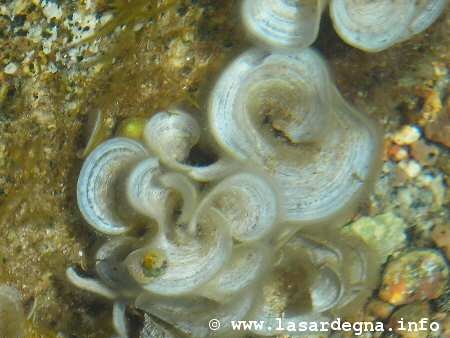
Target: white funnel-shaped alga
(283, 23)
(281, 112)
(376, 25)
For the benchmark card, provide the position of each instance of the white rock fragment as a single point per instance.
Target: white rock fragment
(437, 187)
(83, 26)
(411, 168)
(406, 135)
(401, 154)
(137, 27)
(52, 10)
(11, 68)
(47, 42)
(18, 6)
(424, 180)
(52, 68)
(178, 53)
(35, 33)
(405, 198)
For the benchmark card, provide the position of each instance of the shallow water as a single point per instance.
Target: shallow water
(168, 55)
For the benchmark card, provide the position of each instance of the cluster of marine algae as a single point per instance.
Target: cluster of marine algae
(213, 256)
(374, 89)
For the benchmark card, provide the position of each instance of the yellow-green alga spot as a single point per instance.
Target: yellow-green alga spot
(375, 230)
(132, 127)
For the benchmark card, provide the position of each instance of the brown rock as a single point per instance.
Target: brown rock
(397, 153)
(439, 130)
(409, 321)
(418, 275)
(408, 134)
(432, 105)
(411, 168)
(425, 154)
(379, 309)
(443, 163)
(445, 327)
(441, 237)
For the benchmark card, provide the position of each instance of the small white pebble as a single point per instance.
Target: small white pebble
(401, 154)
(439, 190)
(386, 167)
(424, 180)
(52, 68)
(440, 70)
(405, 198)
(407, 135)
(137, 27)
(11, 68)
(411, 168)
(436, 185)
(52, 10)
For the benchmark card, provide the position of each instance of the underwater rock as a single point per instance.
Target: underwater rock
(432, 103)
(407, 135)
(445, 330)
(411, 313)
(379, 309)
(425, 154)
(415, 276)
(434, 184)
(12, 317)
(443, 163)
(397, 153)
(439, 130)
(375, 230)
(410, 168)
(11, 68)
(441, 237)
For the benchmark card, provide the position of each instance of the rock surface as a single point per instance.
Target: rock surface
(415, 276)
(375, 230)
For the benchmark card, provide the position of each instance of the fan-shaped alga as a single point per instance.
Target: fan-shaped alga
(254, 234)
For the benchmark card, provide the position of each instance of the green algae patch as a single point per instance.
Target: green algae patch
(132, 127)
(128, 13)
(385, 233)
